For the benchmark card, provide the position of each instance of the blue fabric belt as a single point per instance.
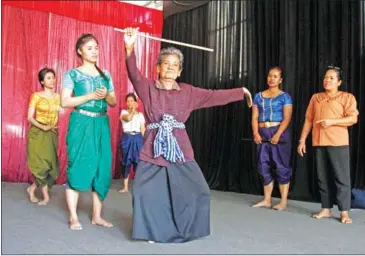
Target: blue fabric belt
(165, 143)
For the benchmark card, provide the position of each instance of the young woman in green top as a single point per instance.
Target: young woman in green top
(89, 90)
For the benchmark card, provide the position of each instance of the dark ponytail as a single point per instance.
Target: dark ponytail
(101, 73)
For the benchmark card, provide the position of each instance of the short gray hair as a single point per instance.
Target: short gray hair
(171, 51)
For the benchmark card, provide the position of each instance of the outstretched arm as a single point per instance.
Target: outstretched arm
(203, 98)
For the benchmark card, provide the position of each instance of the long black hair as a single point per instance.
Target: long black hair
(83, 39)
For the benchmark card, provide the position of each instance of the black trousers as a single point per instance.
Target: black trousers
(333, 172)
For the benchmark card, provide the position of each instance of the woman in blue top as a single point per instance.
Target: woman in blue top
(89, 90)
(271, 115)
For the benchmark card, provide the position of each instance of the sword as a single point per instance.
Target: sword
(169, 41)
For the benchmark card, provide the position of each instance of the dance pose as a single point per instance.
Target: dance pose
(131, 141)
(328, 115)
(271, 115)
(42, 143)
(171, 198)
(88, 138)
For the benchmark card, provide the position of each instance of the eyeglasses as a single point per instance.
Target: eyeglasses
(334, 67)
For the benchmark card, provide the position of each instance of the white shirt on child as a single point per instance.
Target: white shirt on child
(133, 125)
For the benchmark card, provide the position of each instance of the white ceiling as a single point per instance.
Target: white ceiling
(150, 4)
(170, 7)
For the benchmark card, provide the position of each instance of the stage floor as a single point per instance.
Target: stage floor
(236, 228)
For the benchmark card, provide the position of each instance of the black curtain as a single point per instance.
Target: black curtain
(302, 37)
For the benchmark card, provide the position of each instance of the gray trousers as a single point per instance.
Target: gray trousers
(333, 172)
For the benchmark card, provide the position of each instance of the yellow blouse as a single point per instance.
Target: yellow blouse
(46, 109)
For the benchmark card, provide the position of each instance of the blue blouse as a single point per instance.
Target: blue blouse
(271, 109)
(82, 83)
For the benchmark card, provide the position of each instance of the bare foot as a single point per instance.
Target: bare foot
(263, 203)
(124, 190)
(324, 213)
(101, 222)
(75, 224)
(45, 196)
(345, 218)
(44, 201)
(280, 206)
(31, 194)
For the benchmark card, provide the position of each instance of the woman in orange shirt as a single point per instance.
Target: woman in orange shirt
(328, 115)
(43, 136)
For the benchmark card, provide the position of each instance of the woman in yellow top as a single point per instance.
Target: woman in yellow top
(42, 136)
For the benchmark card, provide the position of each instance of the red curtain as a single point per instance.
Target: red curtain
(111, 13)
(33, 39)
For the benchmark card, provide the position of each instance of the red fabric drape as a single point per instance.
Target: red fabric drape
(19, 80)
(111, 13)
(34, 39)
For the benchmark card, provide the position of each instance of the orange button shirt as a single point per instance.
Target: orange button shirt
(321, 106)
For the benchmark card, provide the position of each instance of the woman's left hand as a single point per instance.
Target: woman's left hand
(54, 128)
(326, 122)
(275, 139)
(101, 92)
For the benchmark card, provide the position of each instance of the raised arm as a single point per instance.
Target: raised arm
(127, 116)
(139, 82)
